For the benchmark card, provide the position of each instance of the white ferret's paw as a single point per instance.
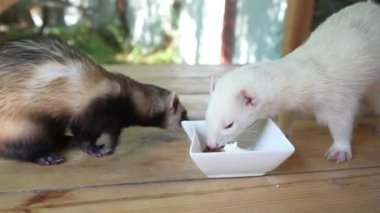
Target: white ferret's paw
(338, 153)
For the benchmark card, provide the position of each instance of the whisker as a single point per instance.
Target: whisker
(248, 136)
(251, 131)
(254, 131)
(254, 124)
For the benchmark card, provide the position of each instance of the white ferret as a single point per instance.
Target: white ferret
(329, 75)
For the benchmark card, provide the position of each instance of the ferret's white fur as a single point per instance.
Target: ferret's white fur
(328, 75)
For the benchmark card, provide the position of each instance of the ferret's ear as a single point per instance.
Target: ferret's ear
(212, 84)
(172, 101)
(249, 99)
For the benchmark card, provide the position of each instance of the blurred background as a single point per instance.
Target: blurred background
(160, 31)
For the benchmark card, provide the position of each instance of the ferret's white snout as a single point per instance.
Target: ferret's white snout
(212, 142)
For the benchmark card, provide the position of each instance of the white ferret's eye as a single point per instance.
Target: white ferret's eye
(229, 125)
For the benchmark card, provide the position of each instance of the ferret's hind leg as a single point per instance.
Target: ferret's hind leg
(49, 159)
(340, 124)
(28, 141)
(36, 149)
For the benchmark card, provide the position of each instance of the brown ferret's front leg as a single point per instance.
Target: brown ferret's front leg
(88, 144)
(113, 142)
(38, 141)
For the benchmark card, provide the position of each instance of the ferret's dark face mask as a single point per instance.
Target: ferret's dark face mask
(175, 112)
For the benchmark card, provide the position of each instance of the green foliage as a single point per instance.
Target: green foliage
(16, 33)
(164, 56)
(109, 44)
(116, 36)
(90, 42)
(80, 36)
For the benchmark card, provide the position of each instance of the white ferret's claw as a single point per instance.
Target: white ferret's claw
(338, 154)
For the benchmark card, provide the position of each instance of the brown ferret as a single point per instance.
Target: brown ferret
(47, 87)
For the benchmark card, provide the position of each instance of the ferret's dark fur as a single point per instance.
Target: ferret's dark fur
(47, 87)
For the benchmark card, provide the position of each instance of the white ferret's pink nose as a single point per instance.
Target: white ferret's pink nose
(212, 142)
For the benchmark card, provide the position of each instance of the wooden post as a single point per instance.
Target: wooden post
(297, 24)
(228, 31)
(121, 8)
(5, 4)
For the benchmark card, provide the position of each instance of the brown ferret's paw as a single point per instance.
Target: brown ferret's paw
(49, 159)
(97, 151)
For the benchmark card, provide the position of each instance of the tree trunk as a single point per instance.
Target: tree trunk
(121, 7)
(228, 31)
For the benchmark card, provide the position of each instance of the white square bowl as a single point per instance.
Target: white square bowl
(269, 150)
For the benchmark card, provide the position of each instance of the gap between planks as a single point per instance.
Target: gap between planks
(12, 192)
(359, 188)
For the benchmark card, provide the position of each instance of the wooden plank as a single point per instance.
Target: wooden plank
(182, 79)
(170, 71)
(144, 155)
(195, 102)
(297, 24)
(153, 155)
(196, 114)
(335, 191)
(182, 85)
(311, 141)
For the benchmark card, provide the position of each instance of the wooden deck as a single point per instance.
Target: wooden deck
(151, 170)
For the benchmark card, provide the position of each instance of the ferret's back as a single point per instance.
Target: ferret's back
(354, 27)
(47, 75)
(37, 51)
(348, 42)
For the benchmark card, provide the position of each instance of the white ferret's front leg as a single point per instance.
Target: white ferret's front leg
(340, 125)
(340, 150)
(285, 122)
